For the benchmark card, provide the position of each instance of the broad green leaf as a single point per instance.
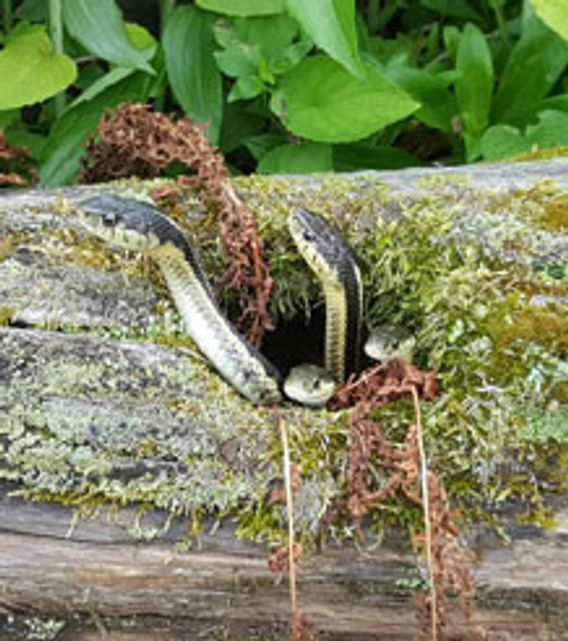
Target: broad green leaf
(321, 101)
(534, 65)
(242, 7)
(64, 148)
(272, 34)
(238, 60)
(31, 72)
(99, 27)
(474, 87)
(296, 159)
(111, 78)
(331, 25)
(291, 56)
(554, 13)
(431, 90)
(192, 70)
(363, 155)
(550, 131)
(503, 141)
(246, 87)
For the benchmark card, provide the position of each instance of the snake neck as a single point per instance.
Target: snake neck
(343, 304)
(236, 360)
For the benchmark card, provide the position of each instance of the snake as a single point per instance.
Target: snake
(133, 224)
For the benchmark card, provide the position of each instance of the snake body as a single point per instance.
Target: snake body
(133, 224)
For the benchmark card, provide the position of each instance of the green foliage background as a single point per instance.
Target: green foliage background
(289, 86)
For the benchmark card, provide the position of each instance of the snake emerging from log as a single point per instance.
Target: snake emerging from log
(137, 225)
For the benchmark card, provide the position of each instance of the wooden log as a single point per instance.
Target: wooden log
(119, 419)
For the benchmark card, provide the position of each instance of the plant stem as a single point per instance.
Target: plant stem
(290, 511)
(498, 11)
(56, 29)
(7, 22)
(427, 518)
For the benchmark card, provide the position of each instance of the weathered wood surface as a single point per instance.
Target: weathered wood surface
(95, 569)
(153, 420)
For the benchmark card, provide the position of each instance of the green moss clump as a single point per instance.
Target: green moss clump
(6, 315)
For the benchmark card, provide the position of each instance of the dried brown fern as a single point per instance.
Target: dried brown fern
(133, 140)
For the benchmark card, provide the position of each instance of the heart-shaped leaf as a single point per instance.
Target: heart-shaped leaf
(31, 72)
(321, 101)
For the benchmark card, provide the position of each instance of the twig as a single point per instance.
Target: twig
(427, 521)
(290, 512)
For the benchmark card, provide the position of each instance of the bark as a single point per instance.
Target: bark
(119, 419)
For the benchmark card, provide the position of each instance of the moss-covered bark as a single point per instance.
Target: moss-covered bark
(473, 260)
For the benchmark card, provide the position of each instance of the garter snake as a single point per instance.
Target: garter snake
(136, 225)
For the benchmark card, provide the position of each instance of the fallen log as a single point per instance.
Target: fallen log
(94, 413)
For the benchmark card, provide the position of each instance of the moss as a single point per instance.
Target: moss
(6, 315)
(471, 305)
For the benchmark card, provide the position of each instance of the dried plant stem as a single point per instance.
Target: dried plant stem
(427, 521)
(290, 512)
(56, 29)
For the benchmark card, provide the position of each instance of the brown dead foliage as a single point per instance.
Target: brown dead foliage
(15, 165)
(401, 464)
(133, 140)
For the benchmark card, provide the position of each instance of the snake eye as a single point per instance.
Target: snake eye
(309, 236)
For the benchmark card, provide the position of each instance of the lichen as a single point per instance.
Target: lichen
(488, 313)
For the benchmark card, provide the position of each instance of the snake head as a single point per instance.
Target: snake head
(128, 223)
(319, 239)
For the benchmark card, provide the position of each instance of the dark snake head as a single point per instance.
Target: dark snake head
(129, 223)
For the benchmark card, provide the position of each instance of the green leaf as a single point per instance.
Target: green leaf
(555, 103)
(260, 145)
(18, 135)
(111, 78)
(296, 159)
(246, 87)
(554, 13)
(534, 65)
(362, 155)
(503, 141)
(550, 131)
(192, 70)
(321, 101)
(240, 123)
(8, 117)
(474, 87)
(291, 56)
(452, 37)
(99, 27)
(64, 148)
(331, 24)
(239, 59)
(31, 72)
(431, 90)
(142, 39)
(242, 7)
(33, 11)
(460, 9)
